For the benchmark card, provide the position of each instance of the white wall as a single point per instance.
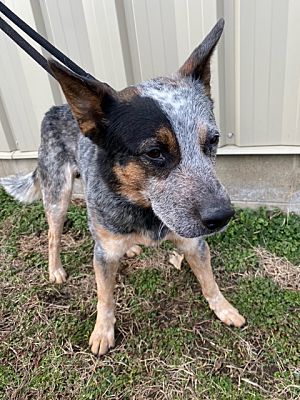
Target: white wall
(256, 70)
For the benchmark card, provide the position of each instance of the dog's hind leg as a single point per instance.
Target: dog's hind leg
(56, 186)
(197, 254)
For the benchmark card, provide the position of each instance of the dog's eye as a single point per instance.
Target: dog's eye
(155, 154)
(214, 140)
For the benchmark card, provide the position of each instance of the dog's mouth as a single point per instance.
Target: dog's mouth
(219, 230)
(188, 227)
(193, 229)
(197, 232)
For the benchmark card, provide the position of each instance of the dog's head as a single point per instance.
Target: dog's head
(159, 139)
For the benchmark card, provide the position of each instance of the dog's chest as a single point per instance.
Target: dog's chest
(126, 219)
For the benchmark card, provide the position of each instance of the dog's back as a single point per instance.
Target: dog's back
(59, 138)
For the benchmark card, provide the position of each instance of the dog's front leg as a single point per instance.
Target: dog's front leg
(197, 254)
(108, 250)
(105, 266)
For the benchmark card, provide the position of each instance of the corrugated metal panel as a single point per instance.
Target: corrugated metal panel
(266, 71)
(291, 90)
(7, 140)
(262, 65)
(105, 42)
(25, 87)
(256, 71)
(88, 32)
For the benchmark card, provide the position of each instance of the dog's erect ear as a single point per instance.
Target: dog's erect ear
(86, 97)
(198, 63)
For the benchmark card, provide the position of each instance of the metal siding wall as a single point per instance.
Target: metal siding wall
(262, 65)
(163, 33)
(194, 19)
(105, 42)
(25, 89)
(7, 140)
(256, 70)
(291, 89)
(88, 32)
(267, 72)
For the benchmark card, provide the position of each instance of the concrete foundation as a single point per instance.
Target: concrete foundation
(262, 180)
(252, 180)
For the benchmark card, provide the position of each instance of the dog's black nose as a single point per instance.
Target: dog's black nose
(216, 219)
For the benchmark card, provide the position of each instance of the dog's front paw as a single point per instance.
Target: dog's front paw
(230, 316)
(58, 276)
(134, 251)
(227, 313)
(102, 339)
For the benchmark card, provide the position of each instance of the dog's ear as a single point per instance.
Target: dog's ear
(198, 63)
(88, 98)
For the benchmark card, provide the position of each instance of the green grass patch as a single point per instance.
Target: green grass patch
(169, 344)
(277, 232)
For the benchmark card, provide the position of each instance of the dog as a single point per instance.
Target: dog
(146, 157)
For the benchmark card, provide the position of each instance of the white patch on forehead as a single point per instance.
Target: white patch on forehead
(169, 98)
(184, 95)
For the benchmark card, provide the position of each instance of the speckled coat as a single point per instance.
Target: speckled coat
(146, 157)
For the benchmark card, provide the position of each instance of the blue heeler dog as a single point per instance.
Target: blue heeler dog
(146, 157)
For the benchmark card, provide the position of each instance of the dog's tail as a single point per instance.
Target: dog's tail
(25, 188)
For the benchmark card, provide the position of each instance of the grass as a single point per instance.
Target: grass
(169, 345)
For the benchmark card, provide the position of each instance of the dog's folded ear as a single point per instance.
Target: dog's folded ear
(88, 98)
(198, 63)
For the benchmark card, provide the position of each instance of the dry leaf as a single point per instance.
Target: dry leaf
(176, 259)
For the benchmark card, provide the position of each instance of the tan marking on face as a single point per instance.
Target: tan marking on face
(202, 134)
(128, 93)
(167, 137)
(132, 180)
